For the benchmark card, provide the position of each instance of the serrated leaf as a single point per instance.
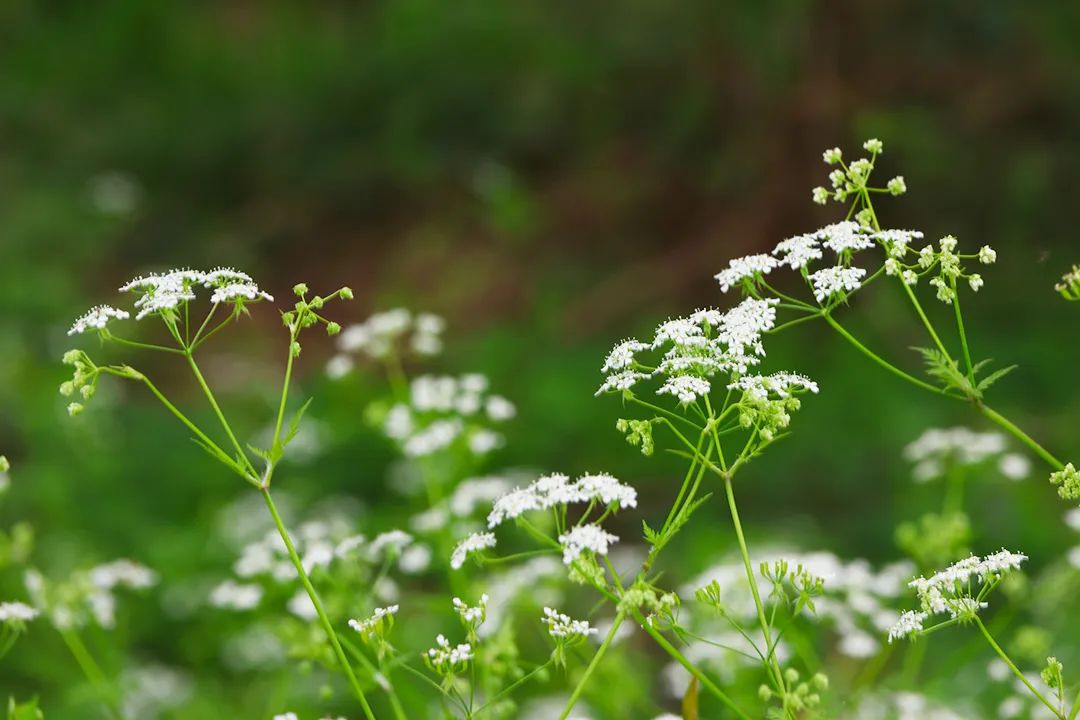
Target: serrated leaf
(259, 452)
(651, 536)
(995, 376)
(294, 423)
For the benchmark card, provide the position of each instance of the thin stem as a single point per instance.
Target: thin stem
(220, 415)
(775, 667)
(574, 696)
(881, 361)
(1008, 426)
(925, 320)
(323, 617)
(681, 659)
(145, 346)
(1016, 671)
(91, 669)
(963, 335)
(285, 386)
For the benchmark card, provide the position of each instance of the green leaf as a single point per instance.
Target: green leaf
(294, 424)
(995, 376)
(946, 371)
(651, 536)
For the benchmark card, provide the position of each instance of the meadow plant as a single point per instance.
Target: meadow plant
(504, 549)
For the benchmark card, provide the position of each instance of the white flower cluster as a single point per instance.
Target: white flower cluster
(946, 259)
(781, 384)
(851, 179)
(16, 613)
(551, 490)
(582, 538)
(231, 595)
(474, 543)
(952, 592)
(447, 660)
(563, 627)
(97, 318)
(696, 348)
(87, 595)
(383, 334)
(937, 449)
(379, 621)
(745, 268)
(444, 409)
(472, 616)
(168, 291)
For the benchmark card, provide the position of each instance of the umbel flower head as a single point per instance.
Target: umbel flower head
(959, 591)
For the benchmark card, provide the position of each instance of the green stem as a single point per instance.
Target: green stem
(681, 659)
(963, 335)
(328, 626)
(285, 386)
(774, 667)
(241, 455)
(1008, 426)
(925, 320)
(574, 696)
(1016, 671)
(91, 669)
(881, 361)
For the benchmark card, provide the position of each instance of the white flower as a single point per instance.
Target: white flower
(16, 612)
(833, 280)
(844, 236)
(301, 606)
(476, 542)
(606, 489)
(685, 387)
(286, 716)
(782, 384)
(375, 621)
(551, 490)
(798, 251)
(499, 408)
(338, 366)
(231, 595)
(910, 623)
(472, 616)
(239, 291)
(585, 537)
(909, 277)
(564, 627)
(620, 381)
(987, 255)
(97, 318)
(975, 281)
(897, 186)
(621, 356)
(832, 156)
(820, 195)
(745, 267)
(873, 145)
(124, 573)
(446, 659)
(1014, 466)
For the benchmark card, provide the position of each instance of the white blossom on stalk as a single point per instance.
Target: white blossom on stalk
(582, 538)
(740, 269)
(910, 623)
(845, 236)
(477, 542)
(782, 384)
(798, 251)
(231, 595)
(832, 281)
(97, 318)
(687, 388)
(445, 659)
(548, 491)
(12, 613)
(564, 627)
(375, 623)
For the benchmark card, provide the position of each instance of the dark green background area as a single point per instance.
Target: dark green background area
(550, 177)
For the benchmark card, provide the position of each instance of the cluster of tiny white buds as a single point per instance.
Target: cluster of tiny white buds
(477, 542)
(987, 255)
(750, 267)
(910, 623)
(563, 627)
(380, 620)
(585, 538)
(472, 616)
(446, 659)
(836, 281)
(97, 318)
(16, 613)
(549, 491)
(874, 146)
(896, 186)
(832, 156)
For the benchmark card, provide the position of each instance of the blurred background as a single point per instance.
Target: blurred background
(550, 177)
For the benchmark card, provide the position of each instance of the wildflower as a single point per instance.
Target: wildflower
(821, 195)
(591, 538)
(975, 281)
(377, 624)
(873, 145)
(685, 387)
(231, 595)
(836, 280)
(16, 613)
(562, 626)
(909, 277)
(445, 659)
(474, 543)
(896, 186)
(782, 384)
(551, 490)
(238, 291)
(798, 251)
(97, 318)
(944, 293)
(1069, 287)
(123, 573)
(832, 156)
(472, 617)
(844, 236)
(987, 255)
(389, 543)
(745, 268)
(621, 356)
